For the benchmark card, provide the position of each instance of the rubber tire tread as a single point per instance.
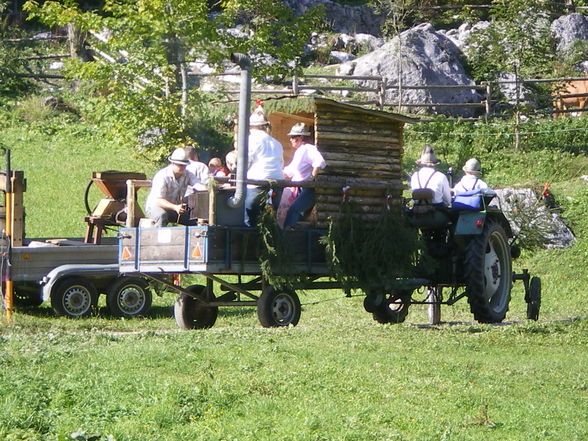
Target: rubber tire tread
(265, 305)
(191, 314)
(474, 275)
(112, 297)
(58, 291)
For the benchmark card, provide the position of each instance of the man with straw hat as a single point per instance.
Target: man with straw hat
(428, 177)
(266, 161)
(166, 202)
(471, 180)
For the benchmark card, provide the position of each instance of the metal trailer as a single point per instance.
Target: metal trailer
(474, 261)
(71, 273)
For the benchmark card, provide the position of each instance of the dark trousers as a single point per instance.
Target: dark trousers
(256, 199)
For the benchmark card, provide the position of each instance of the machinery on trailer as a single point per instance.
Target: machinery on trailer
(363, 151)
(71, 273)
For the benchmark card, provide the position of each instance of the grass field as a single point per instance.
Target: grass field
(338, 375)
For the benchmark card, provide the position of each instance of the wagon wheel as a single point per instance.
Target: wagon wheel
(129, 297)
(394, 308)
(488, 271)
(434, 295)
(278, 307)
(193, 314)
(74, 297)
(534, 300)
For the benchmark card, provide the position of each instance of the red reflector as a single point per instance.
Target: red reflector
(479, 223)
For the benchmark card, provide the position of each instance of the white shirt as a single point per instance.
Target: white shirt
(469, 182)
(438, 183)
(200, 170)
(305, 159)
(266, 156)
(164, 185)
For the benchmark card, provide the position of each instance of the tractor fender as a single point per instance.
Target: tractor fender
(79, 270)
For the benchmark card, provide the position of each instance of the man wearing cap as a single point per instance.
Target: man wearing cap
(471, 179)
(427, 177)
(266, 161)
(305, 165)
(169, 186)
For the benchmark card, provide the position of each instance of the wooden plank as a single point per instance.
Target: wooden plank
(359, 127)
(360, 160)
(351, 137)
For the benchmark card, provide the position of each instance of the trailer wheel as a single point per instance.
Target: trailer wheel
(488, 271)
(534, 301)
(434, 295)
(74, 297)
(193, 314)
(278, 307)
(129, 297)
(394, 309)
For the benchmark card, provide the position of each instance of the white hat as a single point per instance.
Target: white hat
(299, 129)
(257, 117)
(472, 166)
(179, 156)
(428, 157)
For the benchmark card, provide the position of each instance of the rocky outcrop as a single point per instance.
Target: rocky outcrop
(568, 28)
(342, 18)
(420, 56)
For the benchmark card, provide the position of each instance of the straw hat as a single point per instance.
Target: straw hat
(179, 156)
(428, 157)
(258, 118)
(299, 129)
(472, 166)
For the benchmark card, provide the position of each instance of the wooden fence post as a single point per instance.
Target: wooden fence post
(382, 97)
(488, 99)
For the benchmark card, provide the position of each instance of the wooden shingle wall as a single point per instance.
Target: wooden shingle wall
(363, 151)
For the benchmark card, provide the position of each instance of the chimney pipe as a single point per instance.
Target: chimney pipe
(243, 134)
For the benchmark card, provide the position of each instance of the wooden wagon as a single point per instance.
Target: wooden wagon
(363, 152)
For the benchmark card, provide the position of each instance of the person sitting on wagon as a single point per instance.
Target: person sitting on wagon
(265, 162)
(471, 180)
(197, 168)
(428, 177)
(215, 168)
(166, 201)
(305, 165)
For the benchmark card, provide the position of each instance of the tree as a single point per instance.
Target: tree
(150, 42)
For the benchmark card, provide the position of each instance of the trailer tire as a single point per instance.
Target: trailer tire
(74, 297)
(394, 308)
(488, 272)
(278, 307)
(129, 297)
(193, 314)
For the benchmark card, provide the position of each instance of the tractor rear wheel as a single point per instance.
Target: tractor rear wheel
(194, 314)
(488, 272)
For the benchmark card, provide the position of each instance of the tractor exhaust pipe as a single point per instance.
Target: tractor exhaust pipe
(243, 134)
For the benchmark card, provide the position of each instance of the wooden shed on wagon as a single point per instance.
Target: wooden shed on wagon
(362, 148)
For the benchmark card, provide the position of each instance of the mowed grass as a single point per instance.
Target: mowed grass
(338, 375)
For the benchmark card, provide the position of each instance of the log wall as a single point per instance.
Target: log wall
(363, 151)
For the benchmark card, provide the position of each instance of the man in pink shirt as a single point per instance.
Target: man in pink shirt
(305, 165)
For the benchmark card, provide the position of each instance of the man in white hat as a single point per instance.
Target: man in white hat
(266, 161)
(166, 201)
(428, 177)
(305, 165)
(471, 180)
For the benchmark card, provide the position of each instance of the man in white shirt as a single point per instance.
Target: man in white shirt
(197, 168)
(427, 177)
(305, 165)
(166, 200)
(471, 179)
(266, 161)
